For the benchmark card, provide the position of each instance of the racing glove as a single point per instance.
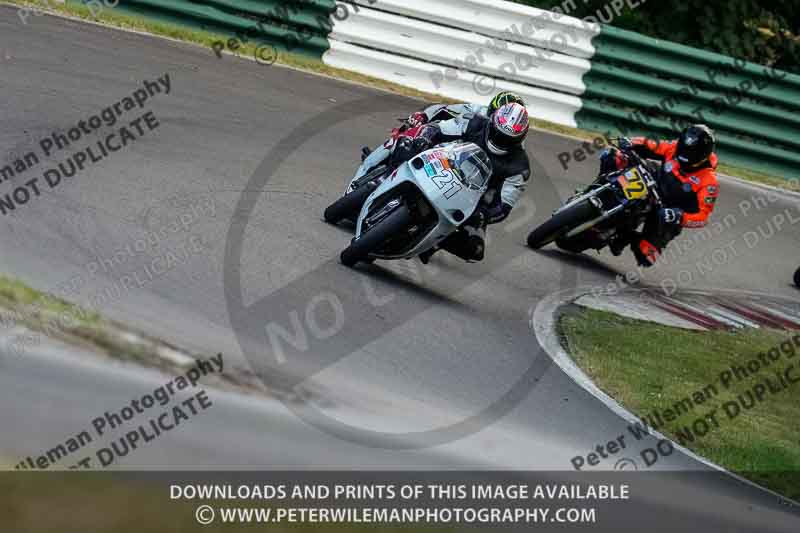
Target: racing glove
(625, 143)
(671, 216)
(420, 144)
(417, 119)
(612, 160)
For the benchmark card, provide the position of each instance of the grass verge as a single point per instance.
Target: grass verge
(43, 315)
(309, 64)
(55, 318)
(650, 368)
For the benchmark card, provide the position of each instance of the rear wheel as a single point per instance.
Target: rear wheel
(561, 223)
(797, 277)
(395, 222)
(349, 205)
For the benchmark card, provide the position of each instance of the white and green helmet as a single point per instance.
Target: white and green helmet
(503, 98)
(509, 127)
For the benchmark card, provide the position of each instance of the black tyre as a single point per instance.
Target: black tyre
(348, 206)
(395, 222)
(561, 223)
(797, 277)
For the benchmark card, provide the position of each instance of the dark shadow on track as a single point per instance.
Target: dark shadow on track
(401, 282)
(582, 261)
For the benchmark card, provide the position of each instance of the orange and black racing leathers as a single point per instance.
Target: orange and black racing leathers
(694, 192)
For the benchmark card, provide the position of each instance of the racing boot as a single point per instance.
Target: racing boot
(425, 256)
(617, 245)
(646, 253)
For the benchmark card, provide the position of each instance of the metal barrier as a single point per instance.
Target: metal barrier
(571, 72)
(300, 26)
(642, 85)
(627, 83)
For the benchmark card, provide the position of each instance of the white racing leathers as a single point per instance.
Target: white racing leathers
(510, 175)
(510, 171)
(434, 113)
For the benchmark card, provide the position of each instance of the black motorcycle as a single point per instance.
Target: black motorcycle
(612, 207)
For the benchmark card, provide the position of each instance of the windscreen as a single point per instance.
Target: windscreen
(472, 164)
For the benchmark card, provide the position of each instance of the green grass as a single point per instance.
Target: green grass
(38, 306)
(56, 318)
(648, 367)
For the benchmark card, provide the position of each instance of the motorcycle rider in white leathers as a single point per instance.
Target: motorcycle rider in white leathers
(434, 113)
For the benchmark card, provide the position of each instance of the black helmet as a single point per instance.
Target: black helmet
(503, 98)
(507, 129)
(695, 146)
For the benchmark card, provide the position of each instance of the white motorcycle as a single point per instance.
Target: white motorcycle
(358, 190)
(367, 180)
(420, 204)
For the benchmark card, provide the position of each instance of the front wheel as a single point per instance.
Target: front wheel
(561, 223)
(797, 277)
(395, 222)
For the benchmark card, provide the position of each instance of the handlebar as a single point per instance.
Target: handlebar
(638, 160)
(636, 157)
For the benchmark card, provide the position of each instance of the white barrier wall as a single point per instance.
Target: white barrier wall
(498, 18)
(546, 105)
(468, 50)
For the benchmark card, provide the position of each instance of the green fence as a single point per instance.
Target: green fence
(641, 85)
(299, 26)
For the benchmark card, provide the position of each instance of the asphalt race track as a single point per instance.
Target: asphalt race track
(425, 368)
